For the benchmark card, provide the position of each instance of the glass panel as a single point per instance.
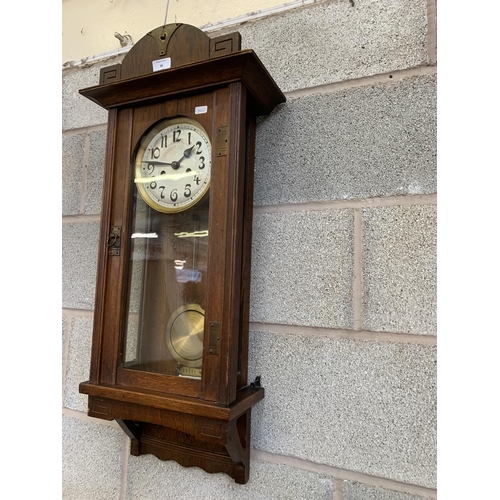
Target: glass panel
(166, 294)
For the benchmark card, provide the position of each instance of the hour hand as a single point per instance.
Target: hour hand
(186, 154)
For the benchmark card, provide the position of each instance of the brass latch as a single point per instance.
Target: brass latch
(114, 240)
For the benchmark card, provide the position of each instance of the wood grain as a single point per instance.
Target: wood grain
(203, 422)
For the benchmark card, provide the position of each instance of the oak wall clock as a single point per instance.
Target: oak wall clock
(170, 341)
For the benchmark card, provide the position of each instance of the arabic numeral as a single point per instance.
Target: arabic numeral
(173, 195)
(187, 191)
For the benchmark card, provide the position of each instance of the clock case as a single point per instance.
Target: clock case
(205, 422)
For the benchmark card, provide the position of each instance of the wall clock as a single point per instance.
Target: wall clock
(170, 342)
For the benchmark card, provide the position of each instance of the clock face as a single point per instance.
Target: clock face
(172, 165)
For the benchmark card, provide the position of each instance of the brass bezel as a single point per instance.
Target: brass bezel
(138, 160)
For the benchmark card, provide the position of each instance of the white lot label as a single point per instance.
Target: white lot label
(162, 64)
(199, 110)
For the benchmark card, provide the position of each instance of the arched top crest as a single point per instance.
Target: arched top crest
(174, 45)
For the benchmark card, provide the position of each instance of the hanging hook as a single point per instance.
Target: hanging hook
(125, 41)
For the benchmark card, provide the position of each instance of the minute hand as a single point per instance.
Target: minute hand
(158, 162)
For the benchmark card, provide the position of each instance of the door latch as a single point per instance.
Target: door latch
(114, 240)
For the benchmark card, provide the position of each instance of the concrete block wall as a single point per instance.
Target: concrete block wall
(343, 286)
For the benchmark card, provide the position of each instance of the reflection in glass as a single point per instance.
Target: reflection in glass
(166, 291)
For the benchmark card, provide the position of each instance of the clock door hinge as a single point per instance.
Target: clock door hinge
(214, 338)
(222, 133)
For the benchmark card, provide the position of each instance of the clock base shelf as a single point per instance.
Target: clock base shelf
(193, 433)
(216, 447)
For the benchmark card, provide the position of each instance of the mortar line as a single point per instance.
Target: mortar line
(80, 415)
(383, 201)
(343, 474)
(339, 333)
(86, 155)
(363, 81)
(357, 282)
(351, 83)
(87, 129)
(72, 219)
(77, 313)
(125, 457)
(432, 31)
(339, 489)
(65, 352)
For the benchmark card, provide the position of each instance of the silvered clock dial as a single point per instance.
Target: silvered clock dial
(172, 165)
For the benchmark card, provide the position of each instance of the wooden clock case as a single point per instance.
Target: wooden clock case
(205, 422)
